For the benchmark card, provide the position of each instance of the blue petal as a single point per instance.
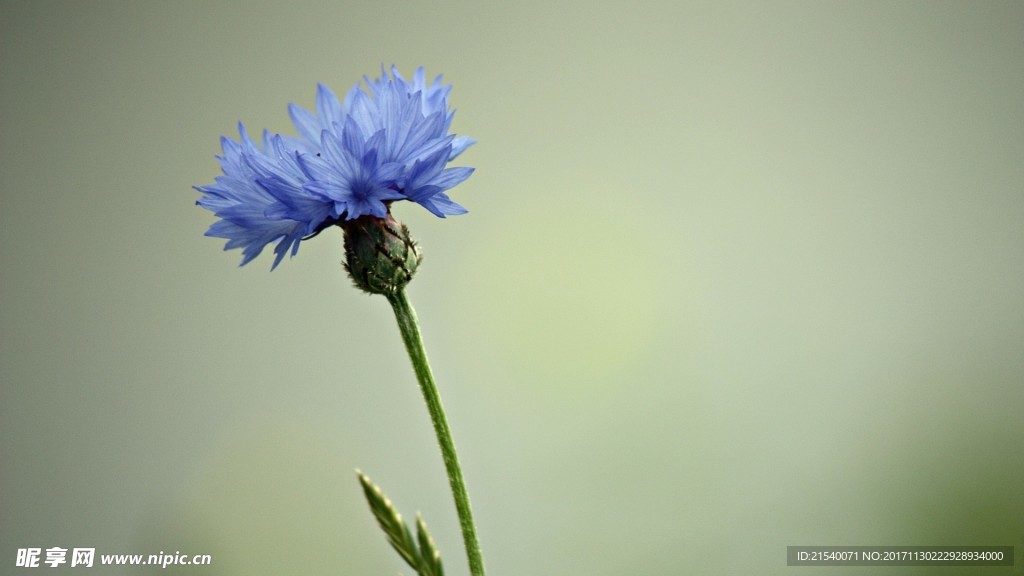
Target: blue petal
(364, 113)
(307, 124)
(317, 168)
(452, 177)
(422, 193)
(459, 146)
(327, 106)
(446, 206)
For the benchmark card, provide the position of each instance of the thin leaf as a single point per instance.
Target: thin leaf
(391, 523)
(430, 558)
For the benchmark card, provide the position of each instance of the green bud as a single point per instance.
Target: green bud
(380, 256)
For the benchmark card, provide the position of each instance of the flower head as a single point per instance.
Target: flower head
(351, 158)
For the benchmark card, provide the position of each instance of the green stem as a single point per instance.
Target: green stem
(409, 327)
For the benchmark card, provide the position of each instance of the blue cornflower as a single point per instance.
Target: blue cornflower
(351, 159)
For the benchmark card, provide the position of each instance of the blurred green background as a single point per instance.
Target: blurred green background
(736, 276)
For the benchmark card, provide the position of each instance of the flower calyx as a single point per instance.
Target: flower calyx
(380, 255)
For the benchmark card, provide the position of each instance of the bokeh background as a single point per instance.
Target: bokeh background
(736, 276)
